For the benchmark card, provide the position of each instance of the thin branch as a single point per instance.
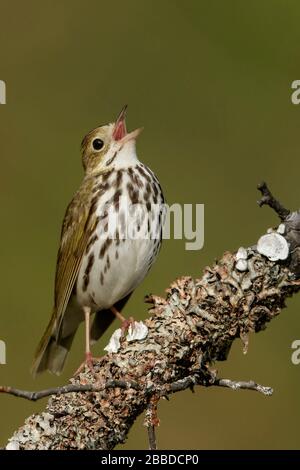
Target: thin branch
(178, 386)
(174, 387)
(70, 388)
(192, 380)
(268, 391)
(269, 200)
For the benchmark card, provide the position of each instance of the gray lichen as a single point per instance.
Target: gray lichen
(274, 246)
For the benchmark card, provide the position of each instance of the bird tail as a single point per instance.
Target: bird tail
(53, 348)
(52, 352)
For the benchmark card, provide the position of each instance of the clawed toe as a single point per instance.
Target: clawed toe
(89, 362)
(126, 323)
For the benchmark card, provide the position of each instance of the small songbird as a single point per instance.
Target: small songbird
(100, 262)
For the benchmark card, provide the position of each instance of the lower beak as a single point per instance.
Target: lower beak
(132, 135)
(120, 131)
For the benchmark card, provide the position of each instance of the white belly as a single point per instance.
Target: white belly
(113, 280)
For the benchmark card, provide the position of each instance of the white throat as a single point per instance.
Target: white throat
(126, 155)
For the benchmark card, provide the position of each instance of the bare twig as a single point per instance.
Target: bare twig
(178, 386)
(244, 385)
(269, 200)
(149, 389)
(70, 388)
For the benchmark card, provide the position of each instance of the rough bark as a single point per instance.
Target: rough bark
(190, 329)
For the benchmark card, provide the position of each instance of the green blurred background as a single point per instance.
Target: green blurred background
(211, 84)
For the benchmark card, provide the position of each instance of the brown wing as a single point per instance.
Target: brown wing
(78, 224)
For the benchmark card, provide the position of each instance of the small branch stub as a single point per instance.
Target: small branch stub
(151, 421)
(269, 200)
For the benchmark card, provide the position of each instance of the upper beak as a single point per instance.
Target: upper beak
(120, 125)
(120, 131)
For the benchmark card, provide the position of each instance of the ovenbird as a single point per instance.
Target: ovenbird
(98, 264)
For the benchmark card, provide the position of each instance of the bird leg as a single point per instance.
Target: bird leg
(90, 360)
(88, 354)
(117, 314)
(125, 323)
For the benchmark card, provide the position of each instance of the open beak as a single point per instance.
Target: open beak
(120, 132)
(120, 125)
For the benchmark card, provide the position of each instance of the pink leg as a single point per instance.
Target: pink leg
(89, 359)
(125, 323)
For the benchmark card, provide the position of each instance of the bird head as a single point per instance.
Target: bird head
(109, 146)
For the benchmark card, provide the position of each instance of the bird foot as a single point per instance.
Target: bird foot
(89, 362)
(126, 324)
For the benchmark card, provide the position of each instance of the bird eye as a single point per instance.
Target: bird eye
(97, 144)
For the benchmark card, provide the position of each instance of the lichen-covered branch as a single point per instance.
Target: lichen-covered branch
(190, 329)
